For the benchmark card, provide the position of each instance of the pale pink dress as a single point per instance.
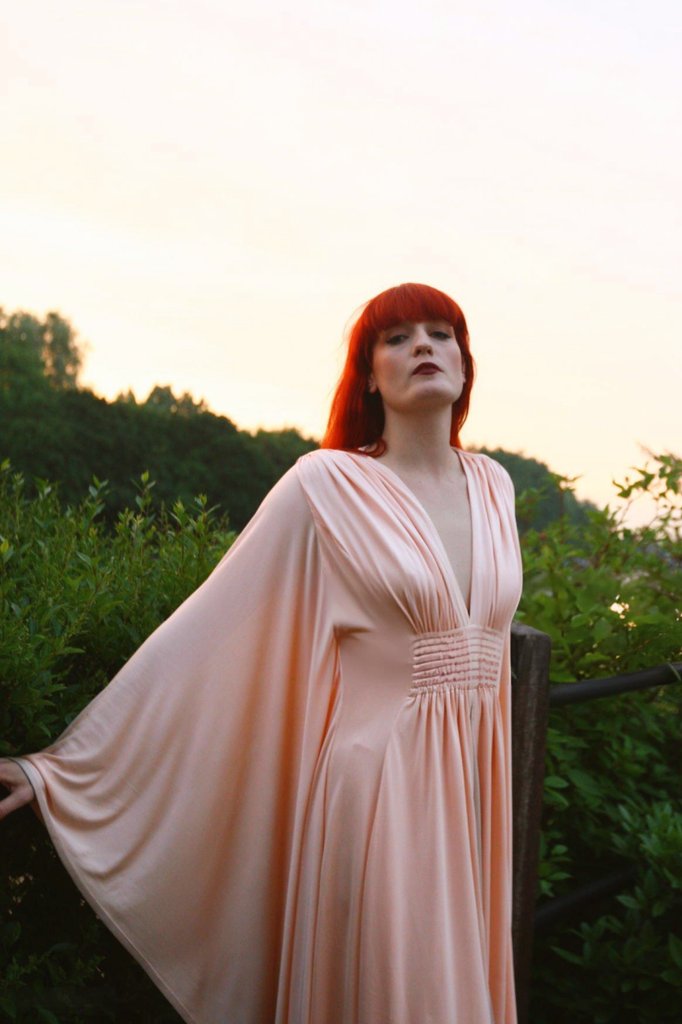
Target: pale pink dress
(293, 803)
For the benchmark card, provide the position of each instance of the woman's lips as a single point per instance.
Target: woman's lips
(427, 368)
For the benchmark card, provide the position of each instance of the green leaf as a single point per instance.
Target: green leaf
(47, 1015)
(602, 628)
(628, 901)
(555, 782)
(583, 781)
(675, 948)
(565, 954)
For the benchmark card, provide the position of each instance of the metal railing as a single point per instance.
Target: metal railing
(591, 689)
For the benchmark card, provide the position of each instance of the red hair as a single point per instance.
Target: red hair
(356, 417)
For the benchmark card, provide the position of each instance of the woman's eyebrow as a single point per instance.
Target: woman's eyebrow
(394, 327)
(407, 324)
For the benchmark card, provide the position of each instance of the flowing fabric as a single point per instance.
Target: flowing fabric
(293, 803)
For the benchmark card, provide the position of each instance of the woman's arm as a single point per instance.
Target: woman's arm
(13, 778)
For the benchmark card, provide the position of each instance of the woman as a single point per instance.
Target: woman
(293, 803)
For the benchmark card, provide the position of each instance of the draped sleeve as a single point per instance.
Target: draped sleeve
(177, 799)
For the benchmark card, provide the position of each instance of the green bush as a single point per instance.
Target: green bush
(76, 600)
(611, 600)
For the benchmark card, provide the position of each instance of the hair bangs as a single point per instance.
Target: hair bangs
(410, 303)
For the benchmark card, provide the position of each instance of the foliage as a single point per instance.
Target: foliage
(76, 600)
(54, 430)
(33, 352)
(610, 598)
(81, 586)
(67, 436)
(547, 496)
(163, 400)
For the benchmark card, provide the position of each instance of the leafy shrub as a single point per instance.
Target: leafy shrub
(76, 600)
(610, 598)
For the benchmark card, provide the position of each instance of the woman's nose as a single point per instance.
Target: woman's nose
(423, 344)
(421, 339)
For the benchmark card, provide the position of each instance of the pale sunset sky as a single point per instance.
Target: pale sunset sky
(208, 190)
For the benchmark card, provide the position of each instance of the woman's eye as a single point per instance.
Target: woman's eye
(441, 334)
(395, 339)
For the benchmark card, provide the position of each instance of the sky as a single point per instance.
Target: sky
(209, 191)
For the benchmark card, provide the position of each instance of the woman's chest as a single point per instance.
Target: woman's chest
(449, 512)
(392, 548)
(454, 532)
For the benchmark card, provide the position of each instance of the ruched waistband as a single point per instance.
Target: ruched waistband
(465, 658)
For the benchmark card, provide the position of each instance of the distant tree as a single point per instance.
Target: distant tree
(34, 351)
(126, 398)
(549, 495)
(62, 352)
(162, 399)
(283, 447)
(53, 429)
(21, 352)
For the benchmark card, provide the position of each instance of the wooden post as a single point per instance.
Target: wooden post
(530, 650)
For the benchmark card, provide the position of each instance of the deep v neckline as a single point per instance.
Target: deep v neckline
(444, 558)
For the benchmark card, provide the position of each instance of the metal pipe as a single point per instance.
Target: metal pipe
(561, 906)
(590, 689)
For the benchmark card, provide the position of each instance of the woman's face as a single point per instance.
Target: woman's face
(417, 366)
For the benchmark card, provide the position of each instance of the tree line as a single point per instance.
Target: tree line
(52, 428)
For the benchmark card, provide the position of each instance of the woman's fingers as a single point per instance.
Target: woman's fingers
(20, 789)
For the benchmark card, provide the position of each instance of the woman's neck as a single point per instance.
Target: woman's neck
(419, 443)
